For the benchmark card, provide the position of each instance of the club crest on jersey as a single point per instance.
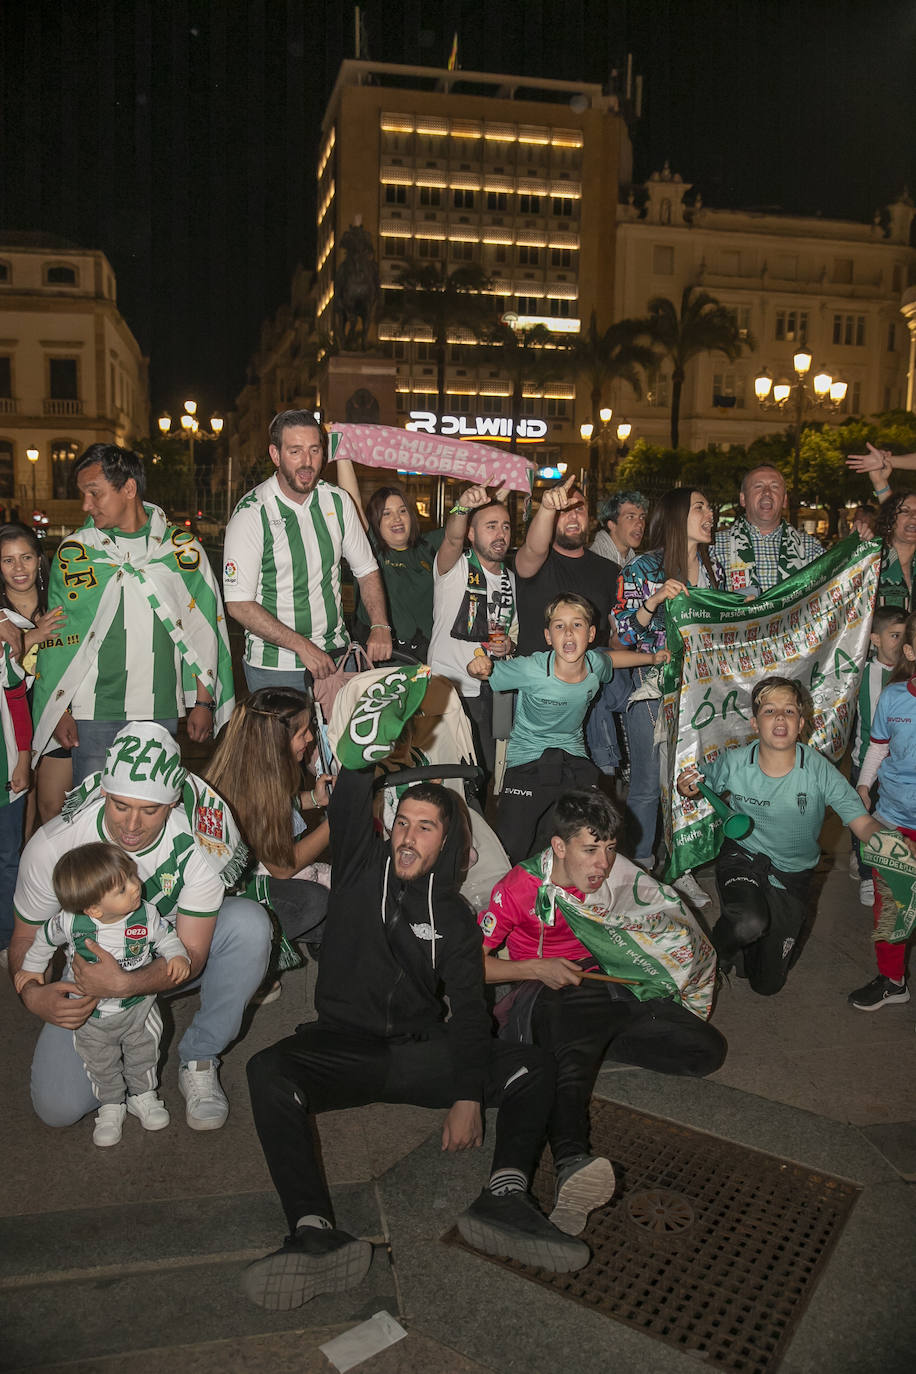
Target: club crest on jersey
(802, 802)
(167, 883)
(210, 822)
(133, 948)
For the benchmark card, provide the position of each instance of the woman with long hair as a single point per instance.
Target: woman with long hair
(257, 768)
(897, 527)
(405, 556)
(680, 556)
(24, 601)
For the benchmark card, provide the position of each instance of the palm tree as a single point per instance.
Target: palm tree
(529, 356)
(702, 326)
(603, 356)
(443, 302)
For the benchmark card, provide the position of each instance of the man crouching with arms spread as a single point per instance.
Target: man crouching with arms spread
(399, 939)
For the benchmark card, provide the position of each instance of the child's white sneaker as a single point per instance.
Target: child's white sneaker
(149, 1110)
(108, 1122)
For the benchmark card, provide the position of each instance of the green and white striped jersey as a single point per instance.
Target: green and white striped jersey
(133, 942)
(173, 872)
(136, 674)
(286, 557)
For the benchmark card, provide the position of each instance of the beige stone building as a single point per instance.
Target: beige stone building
(71, 371)
(833, 284)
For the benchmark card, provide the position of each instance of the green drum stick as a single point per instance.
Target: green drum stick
(735, 825)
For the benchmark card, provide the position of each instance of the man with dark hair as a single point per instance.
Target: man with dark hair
(282, 572)
(399, 939)
(563, 1001)
(621, 525)
(474, 603)
(554, 559)
(761, 548)
(144, 636)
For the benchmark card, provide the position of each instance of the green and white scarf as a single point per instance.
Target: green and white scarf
(472, 623)
(791, 556)
(176, 579)
(211, 824)
(895, 871)
(637, 929)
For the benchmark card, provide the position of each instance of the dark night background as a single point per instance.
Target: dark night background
(179, 136)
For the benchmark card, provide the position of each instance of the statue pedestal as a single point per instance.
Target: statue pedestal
(358, 388)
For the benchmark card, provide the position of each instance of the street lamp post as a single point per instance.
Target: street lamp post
(189, 426)
(824, 392)
(601, 440)
(33, 455)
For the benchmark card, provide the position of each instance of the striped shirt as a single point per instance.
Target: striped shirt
(175, 876)
(136, 673)
(872, 684)
(11, 674)
(133, 942)
(286, 557)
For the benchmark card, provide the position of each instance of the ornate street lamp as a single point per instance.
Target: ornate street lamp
(822, 392)
(189, 426)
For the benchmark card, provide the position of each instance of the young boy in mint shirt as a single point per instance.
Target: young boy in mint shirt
(555, 690)
(785, 787)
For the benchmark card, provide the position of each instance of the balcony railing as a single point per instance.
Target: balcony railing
(8, 405)
(51, 406)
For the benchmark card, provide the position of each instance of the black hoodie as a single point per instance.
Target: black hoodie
(389, 979)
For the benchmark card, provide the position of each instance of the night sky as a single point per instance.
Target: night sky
(179, 136)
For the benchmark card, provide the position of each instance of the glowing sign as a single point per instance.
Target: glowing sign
(530, 430)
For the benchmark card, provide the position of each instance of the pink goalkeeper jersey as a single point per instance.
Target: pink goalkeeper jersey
(510, 917)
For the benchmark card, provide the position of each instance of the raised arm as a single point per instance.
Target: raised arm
(346, 478)
(530, 557)
(452, 546)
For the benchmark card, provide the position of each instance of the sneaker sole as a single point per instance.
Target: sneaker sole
(590, 1187)
(541, 1253)
(900, 997)
(198, 1123)
(289, 1278)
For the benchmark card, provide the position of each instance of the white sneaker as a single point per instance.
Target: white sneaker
(688, 887)
(867, 892)
(108, 1122)
(150, 1111)
(854, 865)
(207, 1107)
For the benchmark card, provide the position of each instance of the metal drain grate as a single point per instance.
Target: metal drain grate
(708, 1246)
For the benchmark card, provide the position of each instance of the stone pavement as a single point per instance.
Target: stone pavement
(130, 1257)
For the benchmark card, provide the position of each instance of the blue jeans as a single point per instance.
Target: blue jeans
(235, 968)
(645, 790)
(11, 821)
(274, 677)
(601, 725)
(96, 738)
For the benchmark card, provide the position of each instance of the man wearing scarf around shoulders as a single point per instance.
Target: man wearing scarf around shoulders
(474, 603)
(145, 632)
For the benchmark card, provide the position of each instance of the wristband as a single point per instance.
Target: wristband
(315, 802)
(207, 705)
(380, 627)
(879, 491)
(458, 509)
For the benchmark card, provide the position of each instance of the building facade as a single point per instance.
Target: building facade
(71, 371)
(457, 167)
(834, 285)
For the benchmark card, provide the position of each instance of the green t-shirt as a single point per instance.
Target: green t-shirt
(408, 577)
(549, 713)
(787, 812)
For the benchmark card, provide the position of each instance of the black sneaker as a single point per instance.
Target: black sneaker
(583, 1183)
(312, 1261)
(880, 992)
(512, 1227)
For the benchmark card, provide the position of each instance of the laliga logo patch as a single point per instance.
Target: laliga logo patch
(488, 924)
(231, 570)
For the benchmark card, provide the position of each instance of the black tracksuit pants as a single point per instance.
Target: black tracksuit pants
(760, 922)
(580, 1025)
(320, 1070)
